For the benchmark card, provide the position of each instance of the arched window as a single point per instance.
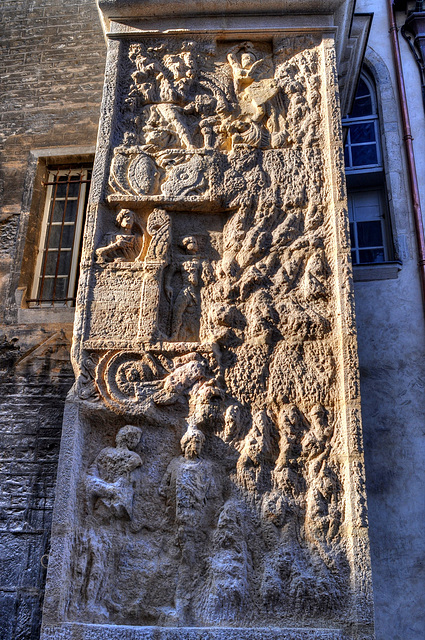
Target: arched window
(367, 200)
(362, 148)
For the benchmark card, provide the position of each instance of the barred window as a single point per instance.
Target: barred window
(56, 267)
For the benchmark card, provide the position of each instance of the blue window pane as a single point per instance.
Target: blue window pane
(362, 89)
(371, 255)
(362, 107)
(364, 132)
(354, 257)
(363, 102)
(364, 155)
(369, 234)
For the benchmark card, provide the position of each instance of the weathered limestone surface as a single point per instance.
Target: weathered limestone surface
(211, 480)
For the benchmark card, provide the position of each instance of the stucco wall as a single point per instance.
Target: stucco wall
(390, 322)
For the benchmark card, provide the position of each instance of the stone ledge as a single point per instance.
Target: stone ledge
(80, 631)
(382, 271)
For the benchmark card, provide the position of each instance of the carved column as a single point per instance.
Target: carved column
(211, 481)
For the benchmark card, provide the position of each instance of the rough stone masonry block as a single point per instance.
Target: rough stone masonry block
(211, 481)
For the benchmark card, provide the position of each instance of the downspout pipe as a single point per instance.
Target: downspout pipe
(408, 142)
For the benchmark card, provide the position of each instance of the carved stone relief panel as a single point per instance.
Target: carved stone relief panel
(216, 486)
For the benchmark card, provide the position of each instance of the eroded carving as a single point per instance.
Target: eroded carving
(232, 362)
(126, 246)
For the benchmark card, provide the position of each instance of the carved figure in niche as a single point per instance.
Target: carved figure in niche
(185, 306)
(226, 591)
(112, 478)
(186, 303)
(190, 490)
(126, 246)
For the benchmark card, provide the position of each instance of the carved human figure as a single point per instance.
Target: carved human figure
(205, 405)
(110, 486)
(255, 87)
(146, 75)
(190, 490)
(245, 67)
(316, 441)
(226, 592)
(111, 480)
(185, 306)
(291, 429)
(232, 424)
(251, 467)
(316, 272)
(126, 246)
(323, 511)
(186, 301)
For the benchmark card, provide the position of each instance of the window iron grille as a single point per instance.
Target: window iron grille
(58, 256)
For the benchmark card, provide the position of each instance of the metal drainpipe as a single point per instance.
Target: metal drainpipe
(407, 137)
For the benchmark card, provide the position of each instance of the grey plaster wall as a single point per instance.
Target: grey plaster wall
(391, 334)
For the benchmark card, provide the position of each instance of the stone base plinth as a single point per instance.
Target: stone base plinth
(77, 631)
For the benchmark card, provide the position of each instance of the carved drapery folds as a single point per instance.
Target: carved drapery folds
(212, 324)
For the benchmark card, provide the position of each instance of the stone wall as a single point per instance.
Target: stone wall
(51, 91)
(32, 390)
(52, 86)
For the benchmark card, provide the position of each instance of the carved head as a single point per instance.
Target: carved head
(206, 404)
(190, 244)
(232, 415)
(192, 443)
(247, 59)
(128, 437)
(126, 219)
